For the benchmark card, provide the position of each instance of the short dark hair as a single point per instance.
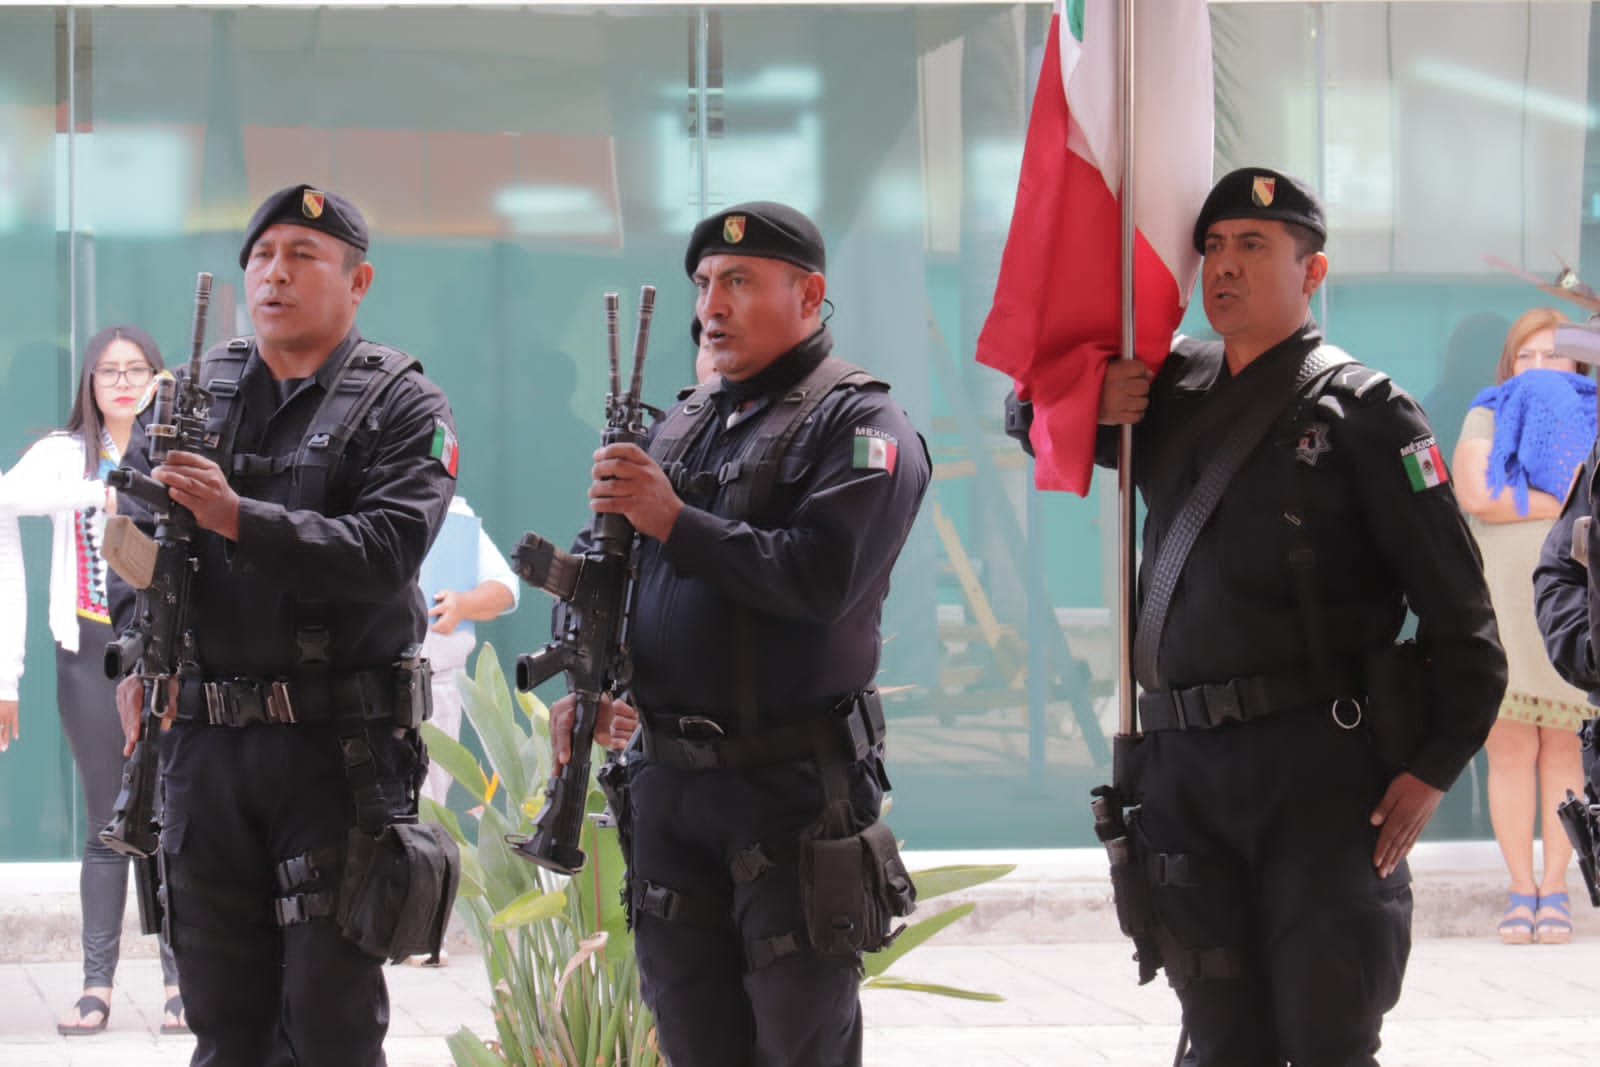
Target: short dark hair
(1307, 242)
(353, 257)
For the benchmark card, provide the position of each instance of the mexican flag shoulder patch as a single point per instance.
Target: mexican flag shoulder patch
(874, 450)
(1423, 464)
(444, 447)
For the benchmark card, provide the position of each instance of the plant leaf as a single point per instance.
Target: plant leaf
(435, 812)
(916, 933)
(937, 881)
(454, 757)
(468, 1050)
(487, 703)
(530, 907)
(889, 981)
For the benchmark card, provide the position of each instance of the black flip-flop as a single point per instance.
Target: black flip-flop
(85, 1005)
(174, 1008)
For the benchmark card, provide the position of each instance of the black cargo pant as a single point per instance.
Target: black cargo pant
(1288, 946)
(238, 802)
(730, 975)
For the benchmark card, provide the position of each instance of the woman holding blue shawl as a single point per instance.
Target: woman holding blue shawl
(1527, 434)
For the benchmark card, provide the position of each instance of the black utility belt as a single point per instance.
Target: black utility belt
(848, 731)
(1202, 707)
(401, 694)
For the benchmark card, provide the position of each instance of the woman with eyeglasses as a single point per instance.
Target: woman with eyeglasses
(1521, 444)
(63, 476)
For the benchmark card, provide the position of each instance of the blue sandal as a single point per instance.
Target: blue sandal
(1517, 929)
(1556, 927)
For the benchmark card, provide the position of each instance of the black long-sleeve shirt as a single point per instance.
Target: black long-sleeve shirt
(357, 556)
(1381, 545)
(1561, 592)
(800, 589)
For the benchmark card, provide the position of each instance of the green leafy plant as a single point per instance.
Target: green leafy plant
(559, 957)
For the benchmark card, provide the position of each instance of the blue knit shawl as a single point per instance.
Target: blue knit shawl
(1544, 424)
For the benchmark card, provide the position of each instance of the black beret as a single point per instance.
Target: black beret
(1259, 193)
(313, 208)
(762, 229)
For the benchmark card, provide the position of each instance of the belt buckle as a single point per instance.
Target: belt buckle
(216, 709)
(279, 708)
(1189, 707)
(1224, 703)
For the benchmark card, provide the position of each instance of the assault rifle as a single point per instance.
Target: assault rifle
(591, 639)
(161, 570)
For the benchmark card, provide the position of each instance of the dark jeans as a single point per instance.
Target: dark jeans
(238, 802)
(711, 1007)
(87, 702)
(1273, 815)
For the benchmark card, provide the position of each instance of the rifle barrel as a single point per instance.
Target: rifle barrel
(641, 341)
(197, 340)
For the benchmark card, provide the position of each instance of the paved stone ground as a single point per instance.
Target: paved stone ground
(1467, 1001)
(1069, 999)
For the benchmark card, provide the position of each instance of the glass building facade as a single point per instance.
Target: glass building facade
(515, 162)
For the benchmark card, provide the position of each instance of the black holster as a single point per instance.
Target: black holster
(398, 888)
(1397, 704)
(1130, 890)
(148, 889)
(612, 778)
(1116, 824)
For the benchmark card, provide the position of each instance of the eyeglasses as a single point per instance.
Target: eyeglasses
(137, 375)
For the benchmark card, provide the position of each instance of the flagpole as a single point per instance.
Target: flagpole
(1127, 566)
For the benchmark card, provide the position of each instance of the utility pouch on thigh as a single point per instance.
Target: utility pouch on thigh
(413, 689)
(397, 890)
(852, 888)
(1397, 710)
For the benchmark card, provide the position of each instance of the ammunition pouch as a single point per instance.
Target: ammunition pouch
(851, 890)
(1397, 704)
(398, 888)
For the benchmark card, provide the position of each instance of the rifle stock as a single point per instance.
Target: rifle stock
(591, 642)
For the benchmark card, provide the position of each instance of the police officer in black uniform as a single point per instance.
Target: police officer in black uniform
(1276, 844)
(291, 727)
(1561, 587)
(762, 573)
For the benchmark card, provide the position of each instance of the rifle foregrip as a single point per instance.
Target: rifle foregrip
(141, 487)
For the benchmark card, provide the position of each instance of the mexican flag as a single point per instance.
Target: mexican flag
(1057, 313)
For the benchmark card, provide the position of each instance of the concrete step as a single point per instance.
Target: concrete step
(1053, 896)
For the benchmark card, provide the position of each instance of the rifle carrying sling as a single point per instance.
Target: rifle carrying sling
(1181, 536)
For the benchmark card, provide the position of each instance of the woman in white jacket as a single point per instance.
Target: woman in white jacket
(13, 619)
(63, 476)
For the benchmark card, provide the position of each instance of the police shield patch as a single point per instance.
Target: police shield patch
(311, 204)
(1313, 444)
(1262, 190)
(733, 229)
